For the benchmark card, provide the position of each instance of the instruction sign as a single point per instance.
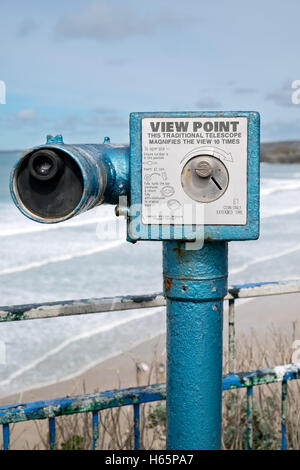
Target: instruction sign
(194, 170)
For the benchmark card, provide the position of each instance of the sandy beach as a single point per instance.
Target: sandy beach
(255, 316)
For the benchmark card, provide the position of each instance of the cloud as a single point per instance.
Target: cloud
(114, 19)
(27, 27)
(209, 103)
(26, 115)
(99, 118)
(107, 117)
(104, 110)
(75, 126)
(71, 122)
(282, 96)
(24, 118)
(95, 122)
(117, 62)
(109, 121)
(245, 91)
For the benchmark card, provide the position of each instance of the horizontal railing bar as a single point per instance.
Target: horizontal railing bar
(261, 376)
(81, 403)
(79, 307)
(134, 396)
(261, 289)
(129, 302)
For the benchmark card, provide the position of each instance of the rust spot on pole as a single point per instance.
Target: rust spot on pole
(168, 284)
(178, 250)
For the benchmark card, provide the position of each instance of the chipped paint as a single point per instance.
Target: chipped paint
(282, 371)
(108, 304)
(123, 397)
(79, 307)
(81, 403)
(262, 376)
(263, 289)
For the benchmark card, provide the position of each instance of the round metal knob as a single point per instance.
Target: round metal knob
(204, 178)
(204, 169)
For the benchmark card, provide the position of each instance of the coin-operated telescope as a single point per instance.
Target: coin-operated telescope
(186, 177)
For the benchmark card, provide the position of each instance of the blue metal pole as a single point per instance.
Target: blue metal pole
(195, 283)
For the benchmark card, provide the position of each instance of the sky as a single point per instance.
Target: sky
(78, 68)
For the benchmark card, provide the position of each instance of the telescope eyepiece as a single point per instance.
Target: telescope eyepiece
(45, 165)
(48, 183)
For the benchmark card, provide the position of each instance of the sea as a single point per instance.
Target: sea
(88, 256)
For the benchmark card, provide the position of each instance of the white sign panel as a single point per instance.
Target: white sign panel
(194, 170)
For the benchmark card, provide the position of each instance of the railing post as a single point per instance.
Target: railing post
(249, 437)
(283, 413)
(195, 283)
(231, 336)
